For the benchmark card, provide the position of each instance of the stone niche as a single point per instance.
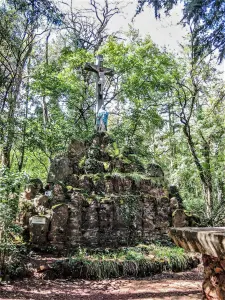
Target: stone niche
(99, 195)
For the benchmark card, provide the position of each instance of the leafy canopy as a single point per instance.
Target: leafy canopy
(206, 16)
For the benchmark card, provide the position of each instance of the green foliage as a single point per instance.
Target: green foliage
(82, 162)
(113, 150)
(106, 165)
(68, 95)
(20, 25)
(15, 266)
(11, 184)
(206, 18)
(137, 177)
(143, 82)
(139, 261)
(36, 164)
(10, 232)
(41, 9)
(133, 255)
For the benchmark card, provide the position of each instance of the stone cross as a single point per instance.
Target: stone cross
(100, 79)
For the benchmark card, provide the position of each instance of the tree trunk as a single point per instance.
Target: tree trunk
(208, 175)
(205, 176)
(209, 198)
(44, 104)
(13, 96)
(5, 157)
(9, 136)
(21, 161)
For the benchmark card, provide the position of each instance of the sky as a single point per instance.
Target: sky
(164, 32)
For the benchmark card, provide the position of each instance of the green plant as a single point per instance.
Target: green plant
(113, 150)
(134, 255)
(9, 231)
(140, 261)
(217, 217)
(82, 162)
(106, 165)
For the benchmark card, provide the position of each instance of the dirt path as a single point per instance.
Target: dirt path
(166, 286)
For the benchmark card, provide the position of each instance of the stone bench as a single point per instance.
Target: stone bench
(211, 243)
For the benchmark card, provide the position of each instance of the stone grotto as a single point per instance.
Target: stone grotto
(99, 195)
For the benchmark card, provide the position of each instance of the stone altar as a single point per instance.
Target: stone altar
(211, 243)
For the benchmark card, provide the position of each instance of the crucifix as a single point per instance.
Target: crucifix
(100, 72)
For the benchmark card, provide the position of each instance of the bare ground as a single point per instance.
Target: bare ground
(166, 286)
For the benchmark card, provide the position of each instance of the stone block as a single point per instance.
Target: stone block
(94, 152)
(34, 187)
(127, 185)
(174, 204)
(93, 166)
(99, 186)
(119, 218)
(60, 169)
(58, 225)
(145, 186)
(74, 218)
(41, 200)
(26, 210)
(90, 237)
(39, 232)
(58, 194)
(106, 217)
(76, 150)
(118, 184)
(73, 181)
(86, 183)
(179, 218)
(89, 217)
(102, 209)
(214, 278)
(109, 186)
(209, 240)
(222, 263)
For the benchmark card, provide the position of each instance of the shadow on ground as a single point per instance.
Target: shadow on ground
(167, 286)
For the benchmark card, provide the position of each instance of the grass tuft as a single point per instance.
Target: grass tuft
(139, 261)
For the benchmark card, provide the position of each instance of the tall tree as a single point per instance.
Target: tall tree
(193, 93)
(88, 28)
(19, 25)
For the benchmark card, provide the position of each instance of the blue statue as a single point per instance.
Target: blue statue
(102, 119)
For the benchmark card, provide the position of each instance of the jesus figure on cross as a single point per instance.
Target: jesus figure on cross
(100, 71)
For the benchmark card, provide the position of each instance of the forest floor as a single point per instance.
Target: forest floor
(166, 286)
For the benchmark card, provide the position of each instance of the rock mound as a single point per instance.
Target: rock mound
(102, 196)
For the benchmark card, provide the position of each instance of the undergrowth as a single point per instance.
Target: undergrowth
(139, 261)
